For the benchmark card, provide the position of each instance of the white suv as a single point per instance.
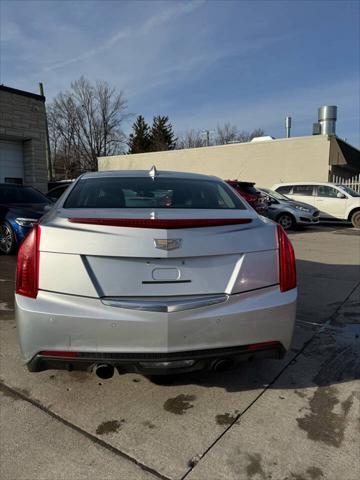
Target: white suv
(333, 201)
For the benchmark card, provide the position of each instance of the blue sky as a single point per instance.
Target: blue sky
(201, 62)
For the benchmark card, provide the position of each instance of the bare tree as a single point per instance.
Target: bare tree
(191, 139)
(226, 134)
(243, 137)
(64, 143)
(86, 122)
(229, 133)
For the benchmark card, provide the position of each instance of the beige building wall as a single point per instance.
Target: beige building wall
(266, 163)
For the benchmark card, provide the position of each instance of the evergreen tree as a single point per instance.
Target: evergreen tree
(162, 135)
(139, 141)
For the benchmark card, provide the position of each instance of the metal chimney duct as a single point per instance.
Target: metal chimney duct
(327, 118)
(287, 126)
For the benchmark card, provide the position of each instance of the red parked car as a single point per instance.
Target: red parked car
(251, 194)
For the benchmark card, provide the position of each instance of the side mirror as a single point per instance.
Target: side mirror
(48, 207)
(340, 195)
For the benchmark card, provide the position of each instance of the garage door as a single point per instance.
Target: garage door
(11, 162)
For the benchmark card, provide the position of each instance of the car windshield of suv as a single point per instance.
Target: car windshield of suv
(349, 190)
(276, 195)
(132, 192)
(10, 194)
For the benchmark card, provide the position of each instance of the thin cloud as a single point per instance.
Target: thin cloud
(149, 25)
(269, 113)
(197, 64)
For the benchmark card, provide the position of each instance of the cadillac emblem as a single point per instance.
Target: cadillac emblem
(167, 244)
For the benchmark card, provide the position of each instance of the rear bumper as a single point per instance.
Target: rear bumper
(159, 364)
(60, 322)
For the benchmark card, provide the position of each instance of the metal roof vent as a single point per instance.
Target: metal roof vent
(265, 138)
(287, 126)
(316, 129)
(327, 119)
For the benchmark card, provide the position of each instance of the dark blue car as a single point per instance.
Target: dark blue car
(20, 208)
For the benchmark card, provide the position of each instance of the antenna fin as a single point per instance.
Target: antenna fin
(153, 172)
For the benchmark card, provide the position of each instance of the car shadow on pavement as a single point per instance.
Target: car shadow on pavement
(326, 227)
(326, 345)
(325, 360)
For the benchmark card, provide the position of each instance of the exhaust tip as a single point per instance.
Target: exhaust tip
(104, 371)
(222, 364)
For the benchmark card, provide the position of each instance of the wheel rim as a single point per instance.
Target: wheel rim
(6, 239)
(285, 221)
(356, 220)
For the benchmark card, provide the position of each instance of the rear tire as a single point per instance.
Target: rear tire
(287, 221)
(355, 219)
(7, 239)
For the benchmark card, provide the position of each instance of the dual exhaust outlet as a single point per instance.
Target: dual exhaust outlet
(106, 371)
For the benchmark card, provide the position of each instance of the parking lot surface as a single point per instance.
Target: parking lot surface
(296, 418)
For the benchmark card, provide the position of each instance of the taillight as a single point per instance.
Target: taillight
(27, 270)
(287, 265)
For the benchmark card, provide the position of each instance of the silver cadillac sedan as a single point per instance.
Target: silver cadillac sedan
(153, 272)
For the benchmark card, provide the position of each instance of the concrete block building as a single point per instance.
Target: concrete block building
(23, 138)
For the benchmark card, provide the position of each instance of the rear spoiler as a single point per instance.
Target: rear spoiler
(161, 223)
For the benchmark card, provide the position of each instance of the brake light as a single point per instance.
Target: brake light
(162, 223)
(287, 265)
(27, 270)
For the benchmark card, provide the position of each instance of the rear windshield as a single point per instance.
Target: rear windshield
(129, 192)
(276, 195)
(248, 188)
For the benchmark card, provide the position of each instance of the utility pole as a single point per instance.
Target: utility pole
(207, 133)
(48, 153)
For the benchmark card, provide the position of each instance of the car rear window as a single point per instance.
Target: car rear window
(306, 190)
(135, 192)
(248, 188)
(284, 189)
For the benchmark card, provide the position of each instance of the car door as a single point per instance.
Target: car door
(303, 193)
(331, 202)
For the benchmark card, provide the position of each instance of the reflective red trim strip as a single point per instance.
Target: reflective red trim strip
(159, 223)
(54, 353)
(258, 346)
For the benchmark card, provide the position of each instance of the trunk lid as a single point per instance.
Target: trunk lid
(121, 261)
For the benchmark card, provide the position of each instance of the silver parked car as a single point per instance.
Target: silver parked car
(153, 272)
(289, 213)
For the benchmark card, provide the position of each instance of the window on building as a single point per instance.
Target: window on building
(17, 181)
